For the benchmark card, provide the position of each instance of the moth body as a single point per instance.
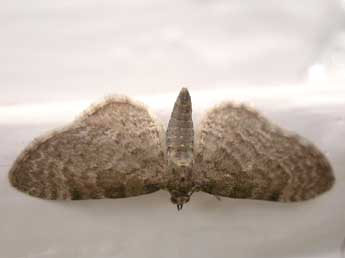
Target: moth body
(116, 149)
(179, 150)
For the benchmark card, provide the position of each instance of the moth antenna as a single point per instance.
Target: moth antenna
(217, 197)
(195, 188)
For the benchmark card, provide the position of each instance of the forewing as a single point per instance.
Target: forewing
(240, 154)
(115, 149)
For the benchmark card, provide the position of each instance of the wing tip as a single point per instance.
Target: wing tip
(324, 183)
(26, 187)
(328, 177)
(11, 178)
(15, 183)
(15, 180)
(25, 153)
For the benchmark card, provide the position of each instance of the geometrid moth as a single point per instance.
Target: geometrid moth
(117, 149)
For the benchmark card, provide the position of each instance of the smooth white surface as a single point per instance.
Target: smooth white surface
(73, 49)
(57, 57)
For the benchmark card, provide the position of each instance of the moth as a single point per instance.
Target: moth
(118, 149)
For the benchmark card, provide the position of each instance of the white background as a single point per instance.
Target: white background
(284, 57)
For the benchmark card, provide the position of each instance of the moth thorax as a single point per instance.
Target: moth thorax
(180, 167)
(180, 184)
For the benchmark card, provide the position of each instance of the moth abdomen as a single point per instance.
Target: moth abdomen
(180, 132)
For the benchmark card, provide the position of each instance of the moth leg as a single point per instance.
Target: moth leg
(217, 197)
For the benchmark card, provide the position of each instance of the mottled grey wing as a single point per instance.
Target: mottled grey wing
(240, 154)
(113, 150)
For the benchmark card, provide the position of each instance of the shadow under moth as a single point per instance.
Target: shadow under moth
(117, 149)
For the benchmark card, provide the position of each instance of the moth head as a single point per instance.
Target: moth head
(180, 198)
(179, 201)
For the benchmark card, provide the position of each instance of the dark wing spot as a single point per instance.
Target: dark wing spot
(75, 195)
(151, 188)
(274, 196)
